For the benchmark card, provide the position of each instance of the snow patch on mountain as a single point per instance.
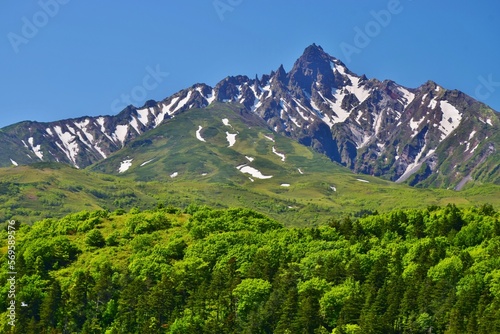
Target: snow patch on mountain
(325, 118)
(423, 99)
(167, 108)
(281, 155)
(256, 104)
(249, 158)
(361, 93)
(143, 116)
(472, 134)
(231, 138)
(304, 117)
(70, 146)
(159, 118)
(36, 149)
(183, 102)
(341, 114)
(121, 133)
(285, 184)
(269, 138)
(174, 174)
(211, 97)
(378, 122)
(125, 165)
(101, 122)
(407, 95)
(71, 130)
(101, 152)
(414, 166)
(135, 125)
(14, 163)
(450, 120)
(414, 125)
(146, 162)
(294, 121)
(253, 171)
(341, 69)
(198, 134)
(364, 181)
(432, 104)
(362, 138)
(266, 90)
(83, 128)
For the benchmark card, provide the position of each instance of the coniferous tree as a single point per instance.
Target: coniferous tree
(51, 308)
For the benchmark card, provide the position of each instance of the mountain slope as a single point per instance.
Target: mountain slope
(428, 136)
(221, 156)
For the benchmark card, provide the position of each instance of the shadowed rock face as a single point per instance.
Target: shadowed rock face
(423, 136)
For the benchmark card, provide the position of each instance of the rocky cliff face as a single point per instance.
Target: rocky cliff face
(424, 136)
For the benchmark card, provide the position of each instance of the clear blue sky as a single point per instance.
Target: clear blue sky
(82, 57)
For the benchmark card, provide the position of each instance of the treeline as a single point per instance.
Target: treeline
(202, 270)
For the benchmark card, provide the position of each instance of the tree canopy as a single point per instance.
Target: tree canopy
(205, 270)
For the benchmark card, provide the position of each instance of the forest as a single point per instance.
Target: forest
(204, 270)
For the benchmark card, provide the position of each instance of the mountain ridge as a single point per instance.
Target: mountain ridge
(424, 136)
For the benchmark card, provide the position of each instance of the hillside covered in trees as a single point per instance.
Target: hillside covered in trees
(202, 270)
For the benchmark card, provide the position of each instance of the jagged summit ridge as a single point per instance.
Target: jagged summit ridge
(426, 135)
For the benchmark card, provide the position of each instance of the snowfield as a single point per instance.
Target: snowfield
(252, 171)
(143, 116)
(231, 138)
(198, 134)
(281, 155)
(269, 138)
(125, 165)
(450, 120)
(35, 149)
(121, 133)
(146, 162)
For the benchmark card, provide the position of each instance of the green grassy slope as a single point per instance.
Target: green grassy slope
(206, 173)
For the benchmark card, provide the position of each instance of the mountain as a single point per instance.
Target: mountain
(222, 156)
(427, 136)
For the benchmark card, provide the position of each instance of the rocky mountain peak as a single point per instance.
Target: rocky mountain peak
(314, 65)
(313, 52)
(281, 74)
(423, 136)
